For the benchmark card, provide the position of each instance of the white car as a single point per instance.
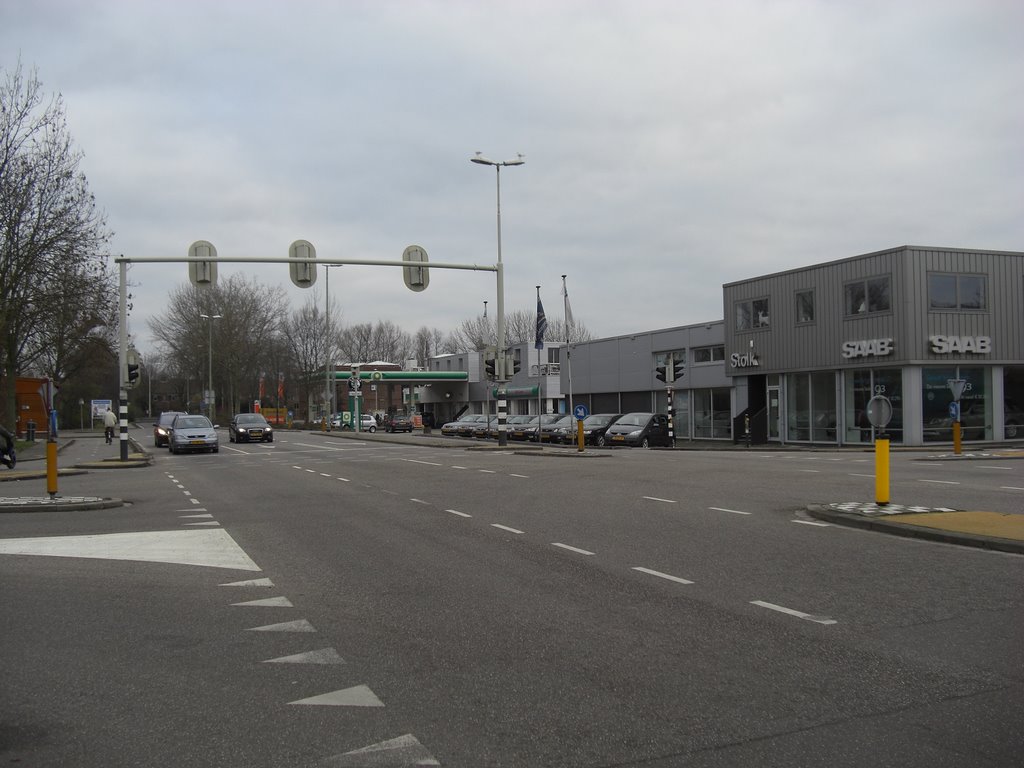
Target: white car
(367, 423)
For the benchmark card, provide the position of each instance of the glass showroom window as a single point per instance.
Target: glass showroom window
(708, 354)
(866, 296)
(963, 292)
(861, 386)
(936, 397)
(804, 307)
(712, 413)
(1013, 402)
(751, 314)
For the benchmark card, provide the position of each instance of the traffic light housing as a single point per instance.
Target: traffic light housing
(660, 373)
(677, 369)
(491, 365)
(512, 366)
(133, 374)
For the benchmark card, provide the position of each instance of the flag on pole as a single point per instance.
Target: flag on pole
(280, 385)
(542, 324)
(568, 313)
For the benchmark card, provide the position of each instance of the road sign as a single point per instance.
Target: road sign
(879, 411)
(303, 273)
(417, 274)
(954, 411)
(580, 412)
(202, 269)
(354, 384)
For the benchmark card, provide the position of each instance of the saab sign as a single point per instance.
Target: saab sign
(949, 345)
(867, 348)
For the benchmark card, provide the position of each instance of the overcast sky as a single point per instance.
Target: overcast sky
(670, 147)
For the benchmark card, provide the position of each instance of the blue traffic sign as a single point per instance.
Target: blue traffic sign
(580, 412)
(954, 411)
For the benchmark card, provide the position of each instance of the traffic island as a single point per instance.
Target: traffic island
(56, 503)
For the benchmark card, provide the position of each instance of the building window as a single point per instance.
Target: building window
(804, 307)
(709, 354)
(751, 314)
(867, 296)
(963, 292)
(553, 354)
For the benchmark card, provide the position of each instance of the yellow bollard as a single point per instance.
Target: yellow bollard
(51, 468)
(957, 436)
(882, 470)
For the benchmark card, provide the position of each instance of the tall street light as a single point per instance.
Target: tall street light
(500, 323)
(330, 391)
(209, 395)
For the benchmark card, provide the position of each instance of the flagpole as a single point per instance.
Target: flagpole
(568, 354)
(540, 380)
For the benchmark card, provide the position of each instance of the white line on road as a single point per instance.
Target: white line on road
(324, 474)
(513, 474)
(1010, 488)
(456, 512)
(940, 482)
(661, 575)
(417, 461)
(487, 471)
(816, 471)
(457, 467)
(791, 612)
(655, 498)
(989, 466)
(855, 474)
(571, 549)
(734, 511)
(419, 501)
(813, 522)
(344, 479)
(506, 528)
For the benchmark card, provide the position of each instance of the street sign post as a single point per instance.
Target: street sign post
(879, 413)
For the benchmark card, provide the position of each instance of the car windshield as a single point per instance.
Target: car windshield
(633, 420)
(250, 418)
(597, 420)
(192, 422)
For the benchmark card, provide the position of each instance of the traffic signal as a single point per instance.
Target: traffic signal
(659, 373)
(490, 365)
(133, 374)
(512, 366)
(677, 369)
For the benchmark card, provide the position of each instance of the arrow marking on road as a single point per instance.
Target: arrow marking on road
(359, 696)
(269, 602)
(249, 583)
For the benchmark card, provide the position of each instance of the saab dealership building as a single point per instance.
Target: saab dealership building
(800, 353)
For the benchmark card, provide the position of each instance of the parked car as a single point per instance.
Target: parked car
(192, 433)
(528, 431)
(482, 428)
(594, 428)
(550, 432)
(467, 425)
(162, 427)
(398, 422)
(249, 427)
(639, 429)
(451, 428)
(367, 423)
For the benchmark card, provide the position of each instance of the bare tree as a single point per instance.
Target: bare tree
(427, 343)
(51, 236)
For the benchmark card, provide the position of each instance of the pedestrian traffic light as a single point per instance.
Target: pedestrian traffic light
(490, 365)
(660, 373)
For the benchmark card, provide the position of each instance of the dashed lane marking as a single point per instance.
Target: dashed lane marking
(506, 528)
(939, 482)
(661, 575)
(359, 696)
(791, 612)
(733, 511)
(655, 498)
(572, 549)
(456, 512)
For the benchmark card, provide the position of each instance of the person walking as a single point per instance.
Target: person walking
(109, 422)
(7, 457)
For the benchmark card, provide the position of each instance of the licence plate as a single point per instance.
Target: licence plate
(618, 438)
(197, 442)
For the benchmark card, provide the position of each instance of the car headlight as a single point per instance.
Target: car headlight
(161, 431)
(635, 433)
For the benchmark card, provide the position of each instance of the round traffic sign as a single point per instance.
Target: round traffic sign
(580, 412)
(879, 411)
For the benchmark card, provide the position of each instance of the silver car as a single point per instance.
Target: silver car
(192, 433)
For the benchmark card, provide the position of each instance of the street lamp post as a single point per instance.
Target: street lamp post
(330, 391)
(500, 323)
(209, 384)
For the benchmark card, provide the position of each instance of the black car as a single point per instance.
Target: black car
(398, 422)
(551, 432)
(594, 428)
(162, 428)
(250, 427)
(640, 429)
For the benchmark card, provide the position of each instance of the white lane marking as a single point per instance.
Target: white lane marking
(816, 471)
(324, 474)
(655, 498)
(208, 547)
(989, 466)
(661, 575)
(197, 516)
(187, 493)
(854, 474)
(457, 467)
(249, 583)
(344, 479)
(456, 512)
(205, 522)
(571, 549)
(322, 656)
(487, 471)
(286, 626)
(734, 511)
(1010, 488)
(813, 522)
(417, 461)
(311, 471)
(419, 501)
(295, 467)
(939, 482)
(195, 501)
(513, 474)
(791, 612)
(506, 528)
(268, 602)
(929, 464)
(359, 696)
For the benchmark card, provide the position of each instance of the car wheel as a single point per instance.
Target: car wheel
(601, 441)
(372, 429)
(645, 443)
(1010, 431)
(270, 439)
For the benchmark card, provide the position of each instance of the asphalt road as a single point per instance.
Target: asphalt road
(423, 606)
